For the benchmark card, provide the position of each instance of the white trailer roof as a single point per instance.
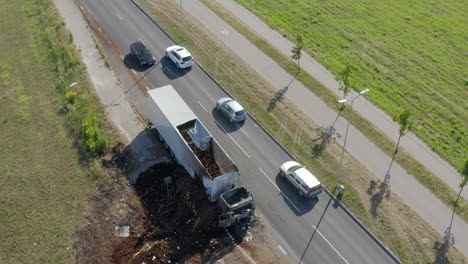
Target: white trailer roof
(172, 105)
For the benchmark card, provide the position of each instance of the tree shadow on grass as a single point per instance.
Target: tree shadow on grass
(377, 198)
(325, 137)
(441, 251)
(279, 96)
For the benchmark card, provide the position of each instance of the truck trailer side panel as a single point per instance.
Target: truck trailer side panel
(166, 111)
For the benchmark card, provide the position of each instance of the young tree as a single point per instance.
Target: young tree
(406, 124)
(463, 170)
(296, 51)
(343, 79)
(464, 173)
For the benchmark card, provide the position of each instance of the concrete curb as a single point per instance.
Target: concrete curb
(372, 236)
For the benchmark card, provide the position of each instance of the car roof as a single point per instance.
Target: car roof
(235, 106)
(307, 176)
(182, 52)
(139, 45)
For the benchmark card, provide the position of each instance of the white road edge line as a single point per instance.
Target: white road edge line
(118, 15)
(202, 106)
(219, 125)
(282, 249)
(284, 195)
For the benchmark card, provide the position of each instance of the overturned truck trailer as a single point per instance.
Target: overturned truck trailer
(189, 142)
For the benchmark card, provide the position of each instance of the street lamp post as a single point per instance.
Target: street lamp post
(346, 134)
(182, 20)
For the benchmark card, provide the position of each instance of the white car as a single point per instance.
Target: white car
(180, 56)
(299, 176)
(232, 109)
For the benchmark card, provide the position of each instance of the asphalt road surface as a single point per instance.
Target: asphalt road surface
(314, 231)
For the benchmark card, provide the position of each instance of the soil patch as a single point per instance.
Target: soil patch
(180, 223)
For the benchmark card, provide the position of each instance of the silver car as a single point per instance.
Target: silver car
(232, 109)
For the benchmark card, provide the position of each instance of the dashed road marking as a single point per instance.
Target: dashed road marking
(282, 250)
(239, 146)
(118, 15)
(233, 139)
(202, 106)
(167, 68)
(141, 40)
(284, 195)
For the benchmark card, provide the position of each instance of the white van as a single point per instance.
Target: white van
(299, 176)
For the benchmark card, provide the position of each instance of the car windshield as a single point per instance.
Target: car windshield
(294, 168)
(315, 188)
(189, 58)
(144, 52)
(240, 113)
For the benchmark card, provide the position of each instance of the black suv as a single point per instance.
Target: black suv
(144, 55)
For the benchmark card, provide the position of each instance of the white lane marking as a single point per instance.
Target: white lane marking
(141, 40)
(118, 15)
(167, 68)
(202, 106)
(233, 139)
(239, 146)
(243, 132)
(328, 242)
(284, 195)
(282, 249)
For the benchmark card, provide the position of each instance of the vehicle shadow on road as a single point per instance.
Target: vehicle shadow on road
(223, 122)
(132, 62)
(298, 204)
(171, 71)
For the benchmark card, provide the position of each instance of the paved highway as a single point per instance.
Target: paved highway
(315, 230)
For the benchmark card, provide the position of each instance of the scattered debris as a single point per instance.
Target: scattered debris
(122, 231)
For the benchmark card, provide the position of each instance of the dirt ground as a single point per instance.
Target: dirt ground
(172, 223)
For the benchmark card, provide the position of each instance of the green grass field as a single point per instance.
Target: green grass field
(46, 175)
(412, 54)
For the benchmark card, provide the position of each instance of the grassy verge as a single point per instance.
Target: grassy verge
(410, 54)
(412, 166)
(48, 140)
(400, 228)
(101, 49)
